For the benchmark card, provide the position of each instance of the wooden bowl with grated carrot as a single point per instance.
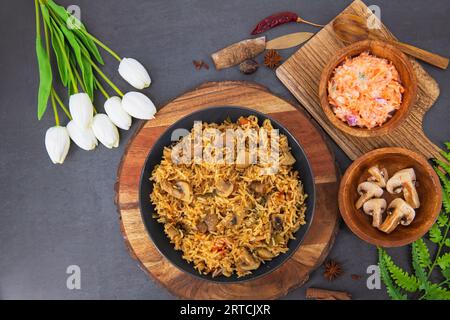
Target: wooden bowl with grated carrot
(368, 88)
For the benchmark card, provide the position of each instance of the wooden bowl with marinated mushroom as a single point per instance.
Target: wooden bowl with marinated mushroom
(390, 197)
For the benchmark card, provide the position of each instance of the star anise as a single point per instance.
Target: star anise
(272, 59)
(333, 269)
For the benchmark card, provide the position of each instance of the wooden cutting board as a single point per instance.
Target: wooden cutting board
(301, 75)
(319, 238)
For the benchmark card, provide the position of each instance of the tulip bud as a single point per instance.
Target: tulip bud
(115, 111)
(57, 143)
(134, 73)
(81, 109)
(105, 131)
(138, 105)
(83, 137)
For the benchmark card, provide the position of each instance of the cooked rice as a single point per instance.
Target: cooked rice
(235, 233)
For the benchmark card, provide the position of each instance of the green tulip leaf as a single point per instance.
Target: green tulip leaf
(45, 77)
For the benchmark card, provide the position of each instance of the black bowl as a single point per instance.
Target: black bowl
(156, 230)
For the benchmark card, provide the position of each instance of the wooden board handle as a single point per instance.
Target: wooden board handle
(429, 57)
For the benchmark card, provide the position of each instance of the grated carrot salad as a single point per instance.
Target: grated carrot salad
(365, 91)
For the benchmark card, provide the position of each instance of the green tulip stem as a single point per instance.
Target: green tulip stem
(101, 88)
(100, 72)
(101, 44)
(61, 104)
(55, 111)
(77, 75)
(38, 21)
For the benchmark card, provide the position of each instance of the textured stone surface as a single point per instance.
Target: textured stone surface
(55, 216)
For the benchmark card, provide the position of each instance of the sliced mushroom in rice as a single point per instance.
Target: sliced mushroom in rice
(223, 188)
(265, 254)
(211, 220)
(287, 159)
(247, 261)
(257, 187)
(180, 190)
(172, 232)
(202, 227)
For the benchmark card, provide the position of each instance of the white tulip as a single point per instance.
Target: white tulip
(134, 73)
(115, 111)
(81, 109)
(105, 131)
(57, 143)
(138, 105)
(83, 137)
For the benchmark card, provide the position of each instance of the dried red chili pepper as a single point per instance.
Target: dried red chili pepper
(279, 19)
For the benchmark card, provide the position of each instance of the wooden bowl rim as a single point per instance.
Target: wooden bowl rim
(328, 72)
(356, 229)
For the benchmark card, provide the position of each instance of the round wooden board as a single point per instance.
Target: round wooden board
(317, 242)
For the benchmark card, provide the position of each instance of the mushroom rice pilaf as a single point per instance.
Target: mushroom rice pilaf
(228, 218)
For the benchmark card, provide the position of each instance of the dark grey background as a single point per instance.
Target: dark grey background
(55, 216)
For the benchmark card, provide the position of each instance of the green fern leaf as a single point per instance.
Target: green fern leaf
(447, 242)
(446, 273)
(442, 220)
(436, 292)
(446, 155)
(435, 234)
(446, 201)
(419, 271)
(447, 144)
(443, 165)
(401, 278)
(393, 292)
(421, 254)
(444, 180)
(444, 261)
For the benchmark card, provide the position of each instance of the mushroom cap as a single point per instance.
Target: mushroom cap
(370, 187)
(374, 205)
(367, 190)
(180, 190)
(399, 212)
(410, 194)
(394, 184)
(378, 176)
(287, 159)
(246, 261)
(224, 188)
(375, 208)
(406, 210)
(257, 186)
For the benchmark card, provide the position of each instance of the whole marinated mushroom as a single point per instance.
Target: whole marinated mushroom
(367, 190)
(405, 180)
(378, 176)
(375, 208)
(398, 212)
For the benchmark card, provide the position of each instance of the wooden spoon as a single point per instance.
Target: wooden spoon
(351, 28)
